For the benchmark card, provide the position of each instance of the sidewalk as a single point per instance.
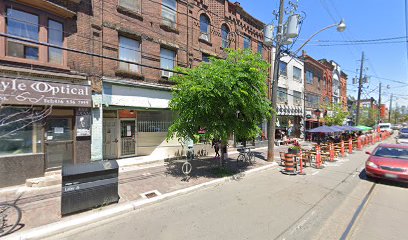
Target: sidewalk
(41, 206)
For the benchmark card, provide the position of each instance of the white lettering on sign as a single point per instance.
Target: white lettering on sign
(19, 91)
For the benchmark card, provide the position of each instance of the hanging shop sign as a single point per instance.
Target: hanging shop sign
(83, 119)
(30, 92)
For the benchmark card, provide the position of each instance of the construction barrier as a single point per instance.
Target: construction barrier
(350, 145)
(342, 149)
(331, 151)
(359, 145)
(289, 164)
(318, 157)
(301, 162)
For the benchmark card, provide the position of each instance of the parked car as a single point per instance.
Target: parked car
(388, 161)
(402, 138)
(403, 131)
(386, 127)
(396, 127)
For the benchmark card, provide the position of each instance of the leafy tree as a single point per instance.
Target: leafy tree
(368, 117)
(338, 114)
(223, 97)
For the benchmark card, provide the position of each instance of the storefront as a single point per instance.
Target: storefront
(290, 121)
(136, 119)
(44, 124)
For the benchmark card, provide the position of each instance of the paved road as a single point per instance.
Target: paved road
(324, 204)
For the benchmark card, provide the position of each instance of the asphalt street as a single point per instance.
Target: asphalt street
(336, 202)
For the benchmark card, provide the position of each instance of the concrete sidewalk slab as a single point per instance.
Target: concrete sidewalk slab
(73, 222)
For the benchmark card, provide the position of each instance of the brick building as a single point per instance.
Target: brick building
(133, 114)
(123, 105)
(315, 89)
(45, 92)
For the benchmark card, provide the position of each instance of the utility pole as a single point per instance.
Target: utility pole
(389, 112)
(360, 84)
(275, 77)
(379, 106)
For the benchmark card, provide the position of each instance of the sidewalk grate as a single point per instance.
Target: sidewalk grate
(150, 194)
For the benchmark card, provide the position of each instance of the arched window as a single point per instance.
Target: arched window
(205, 27)
(224, 35)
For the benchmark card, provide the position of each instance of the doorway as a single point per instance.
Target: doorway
(110, 139)
(128, 137)
(59, 143)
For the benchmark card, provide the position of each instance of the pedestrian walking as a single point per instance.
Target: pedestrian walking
(216, 146)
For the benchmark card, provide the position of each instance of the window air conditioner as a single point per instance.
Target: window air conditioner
(205, 36)
(166, 74)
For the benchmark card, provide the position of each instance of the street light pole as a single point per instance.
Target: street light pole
(275, 77)
(272, 123)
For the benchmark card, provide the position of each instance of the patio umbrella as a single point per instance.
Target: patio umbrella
(340, 128)
(324, 129)
(363, 128)
(350, 128)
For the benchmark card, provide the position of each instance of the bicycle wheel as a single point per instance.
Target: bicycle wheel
(240, 159)
(251, 157)
(10, 216)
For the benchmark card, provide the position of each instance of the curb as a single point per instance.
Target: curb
(75, 223)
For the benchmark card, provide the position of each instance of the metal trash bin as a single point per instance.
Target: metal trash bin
(89, 185)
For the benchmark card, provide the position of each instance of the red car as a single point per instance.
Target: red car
(389, 161)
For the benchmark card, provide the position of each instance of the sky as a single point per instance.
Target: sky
(386, 61)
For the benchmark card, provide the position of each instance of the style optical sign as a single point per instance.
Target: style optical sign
(28, 92)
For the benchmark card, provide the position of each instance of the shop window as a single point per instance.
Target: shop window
(282, 95)
(129, 50)
(247, 42)
(20, 131)
(224, 35)
(24, 25)
(133, 5)
(154, 121)
(169, 13)
(297, 74)
(205, 28)
(55, 37)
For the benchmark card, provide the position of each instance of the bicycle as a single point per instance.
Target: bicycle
(245, 155)
(10, 217)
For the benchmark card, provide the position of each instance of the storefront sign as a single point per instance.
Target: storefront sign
(308, 116)
(83, 122)
(29, 92)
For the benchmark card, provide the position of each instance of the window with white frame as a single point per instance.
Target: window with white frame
(129, 50)
(283, 68)
(205, 27)
(297, 74)
(167, 60)
(309, 77)
(133, 5)
(297, 98)
(169, 13)
(247, 42)
(282, 95)
(224, 35)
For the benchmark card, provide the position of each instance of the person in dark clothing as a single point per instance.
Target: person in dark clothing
(216, 146)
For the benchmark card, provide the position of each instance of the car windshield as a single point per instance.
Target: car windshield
(384, 126)
(392, 153)
(404, 130)
(403, 136)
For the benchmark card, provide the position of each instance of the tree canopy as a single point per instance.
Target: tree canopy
(221, 97)
(338, 114)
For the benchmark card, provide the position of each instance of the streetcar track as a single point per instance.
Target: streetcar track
(357, 213)
(314, 205)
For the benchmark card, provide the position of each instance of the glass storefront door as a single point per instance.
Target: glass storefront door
(58, 142)
(128, 140)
